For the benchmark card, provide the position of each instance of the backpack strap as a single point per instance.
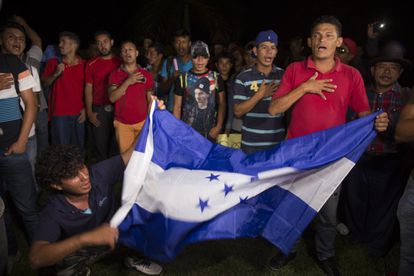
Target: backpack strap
(184, 80)
(14, 68)
(169, 64)
(215, 81)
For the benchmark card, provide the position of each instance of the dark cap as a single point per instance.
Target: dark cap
(203, 84)
(264, 36)
(199, 48)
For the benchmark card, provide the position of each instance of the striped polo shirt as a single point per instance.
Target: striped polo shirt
(10, 113)
(260, 130)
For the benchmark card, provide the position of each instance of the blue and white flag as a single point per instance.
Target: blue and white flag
(180, 189)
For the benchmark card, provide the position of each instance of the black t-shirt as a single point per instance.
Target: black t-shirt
(60, 219)
(201, 119)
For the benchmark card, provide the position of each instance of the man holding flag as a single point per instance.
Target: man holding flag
(74, 230)
(320, 90)
(179, 188)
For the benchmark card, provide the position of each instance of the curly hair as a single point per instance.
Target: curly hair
(58, 162)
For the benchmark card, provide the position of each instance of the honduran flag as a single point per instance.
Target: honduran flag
(180, 189)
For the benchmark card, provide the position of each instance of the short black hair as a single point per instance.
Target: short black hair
(13, 25)
(182, 33)
(329, 19)
(128, 41)
(58, 162)
(71, 35)
(102, 32)
(249, 46)
(158, 47)
(224, 55)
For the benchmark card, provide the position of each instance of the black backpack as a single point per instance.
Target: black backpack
(12, 62)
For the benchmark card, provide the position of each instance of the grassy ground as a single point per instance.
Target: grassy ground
(246, 257)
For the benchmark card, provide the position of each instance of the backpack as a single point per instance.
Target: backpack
(14, 69)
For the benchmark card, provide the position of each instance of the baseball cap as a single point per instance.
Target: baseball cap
(204, 85)
(199, 48)
(264, 36)
(352, 46)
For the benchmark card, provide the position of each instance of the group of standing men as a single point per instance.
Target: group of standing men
(317, 92)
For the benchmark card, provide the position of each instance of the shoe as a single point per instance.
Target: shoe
(280, 260)
(342, 229)
(143, 265)
(329, 267)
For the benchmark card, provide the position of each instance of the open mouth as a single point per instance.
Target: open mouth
(16, 47)
(385, 78)
(322, 48)
(268, 59)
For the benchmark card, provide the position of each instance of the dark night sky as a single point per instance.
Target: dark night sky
(288, 19)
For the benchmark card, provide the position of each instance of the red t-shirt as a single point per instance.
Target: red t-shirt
(311, 113)
(66, 94)
(97, 73)
(132, 107)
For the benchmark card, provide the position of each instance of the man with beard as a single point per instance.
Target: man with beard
(99, 109)
(173, 66)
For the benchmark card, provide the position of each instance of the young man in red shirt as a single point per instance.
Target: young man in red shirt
(99, 109)
(66, 79)
(320, 90)
(130, 88)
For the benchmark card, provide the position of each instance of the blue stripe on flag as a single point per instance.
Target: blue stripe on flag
(188, 149)
(179, 188)
(252, 218)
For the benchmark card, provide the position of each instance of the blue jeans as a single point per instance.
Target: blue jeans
(16, 174)
(66, 130)
(31, 151)
(405, 215)
(42, 132)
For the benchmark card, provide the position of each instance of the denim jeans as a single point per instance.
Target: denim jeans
(16, 174)
(405, 215)
(31, 151)
(66, 130)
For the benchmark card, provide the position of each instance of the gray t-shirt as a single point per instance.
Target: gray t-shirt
(33, 58)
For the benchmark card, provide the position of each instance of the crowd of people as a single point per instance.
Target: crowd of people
(58, 109)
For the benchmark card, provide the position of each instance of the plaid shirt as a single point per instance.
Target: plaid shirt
(391, 102)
